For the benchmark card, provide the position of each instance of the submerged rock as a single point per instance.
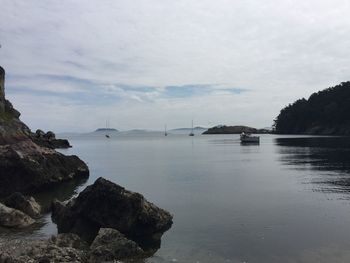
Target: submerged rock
(108, 205)
(26, 204)
(111, 245)
(10, 217)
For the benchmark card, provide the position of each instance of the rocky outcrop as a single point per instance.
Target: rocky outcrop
(25, 165)
(27, 168)
(14, 218)
(108, 205)
(49, 140)
(110, 245)
(26, 204)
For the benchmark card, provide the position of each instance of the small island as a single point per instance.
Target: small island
(223, 129)
(106, 130)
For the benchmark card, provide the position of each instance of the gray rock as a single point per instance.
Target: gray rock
(26, 204)
(111, 245)
(108, 205)
(61, 248)
(39, 133)
(14, 218)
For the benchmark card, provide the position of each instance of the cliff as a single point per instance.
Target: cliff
(324, 113)
(25, 165)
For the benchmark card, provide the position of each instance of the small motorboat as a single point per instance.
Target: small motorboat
(248, 138)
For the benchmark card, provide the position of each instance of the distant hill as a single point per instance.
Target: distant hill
(326, 112)
(196, 130)
(223, 129)
(106, 130)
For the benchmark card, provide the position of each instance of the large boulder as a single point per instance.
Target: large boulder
(14, 218)
(110, 245)
(108, 205)
(25, 167)
(26, 204)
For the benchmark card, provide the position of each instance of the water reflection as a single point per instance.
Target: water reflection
(330, 156)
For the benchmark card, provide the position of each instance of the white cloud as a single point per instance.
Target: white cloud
(279, 50)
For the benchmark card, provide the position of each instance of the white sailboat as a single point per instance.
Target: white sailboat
(165, 132)
(191, 133)
(107, 124)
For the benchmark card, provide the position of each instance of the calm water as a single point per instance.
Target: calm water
(285, 200)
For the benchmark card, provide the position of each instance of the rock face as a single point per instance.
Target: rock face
(110, 245)
(107, 205)
(26, 204)
(14, 218)
(26, 166)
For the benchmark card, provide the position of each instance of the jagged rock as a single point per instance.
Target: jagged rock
(49, 140)
(10, 217)
(111, 245)
(108, 205)
(39, 133)
(50, 135)
(26, 204)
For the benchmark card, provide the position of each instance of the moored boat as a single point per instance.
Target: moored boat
(248, 138)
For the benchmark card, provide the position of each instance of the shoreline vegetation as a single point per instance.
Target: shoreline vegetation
(324, 113)
(105, 222)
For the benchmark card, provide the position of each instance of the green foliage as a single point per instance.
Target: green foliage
(325, 112)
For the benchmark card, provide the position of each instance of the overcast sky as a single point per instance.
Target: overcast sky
(71, 65)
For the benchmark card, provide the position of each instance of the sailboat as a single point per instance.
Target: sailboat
(191, 134)
(107, 124)
(165, 132)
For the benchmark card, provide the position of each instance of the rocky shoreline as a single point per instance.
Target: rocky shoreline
(104, 223)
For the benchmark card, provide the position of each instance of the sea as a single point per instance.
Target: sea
(286, 199)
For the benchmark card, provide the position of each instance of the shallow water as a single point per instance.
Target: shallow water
(285, 200)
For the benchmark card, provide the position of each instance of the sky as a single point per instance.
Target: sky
(141, 64)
